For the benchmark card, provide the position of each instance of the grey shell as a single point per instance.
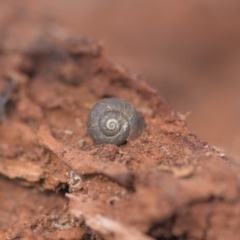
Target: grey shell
(114, 121)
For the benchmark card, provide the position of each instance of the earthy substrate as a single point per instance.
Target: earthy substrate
(165, 185)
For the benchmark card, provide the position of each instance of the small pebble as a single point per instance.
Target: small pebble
(81, 143)
(183, 172)
(68, 132)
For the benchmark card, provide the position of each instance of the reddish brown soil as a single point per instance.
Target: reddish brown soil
(57, 184)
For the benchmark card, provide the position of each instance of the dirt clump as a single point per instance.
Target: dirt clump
(58, 184)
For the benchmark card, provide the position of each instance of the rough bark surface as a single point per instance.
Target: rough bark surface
(167, 184)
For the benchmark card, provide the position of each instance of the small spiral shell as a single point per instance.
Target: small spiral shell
(114, 121)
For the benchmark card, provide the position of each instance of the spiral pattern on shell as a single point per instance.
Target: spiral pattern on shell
(114, 121)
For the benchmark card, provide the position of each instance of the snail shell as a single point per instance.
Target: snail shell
(114, 121)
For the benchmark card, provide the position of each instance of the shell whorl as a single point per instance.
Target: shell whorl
(113, 121)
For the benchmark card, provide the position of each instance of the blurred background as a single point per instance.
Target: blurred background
(188, 50)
